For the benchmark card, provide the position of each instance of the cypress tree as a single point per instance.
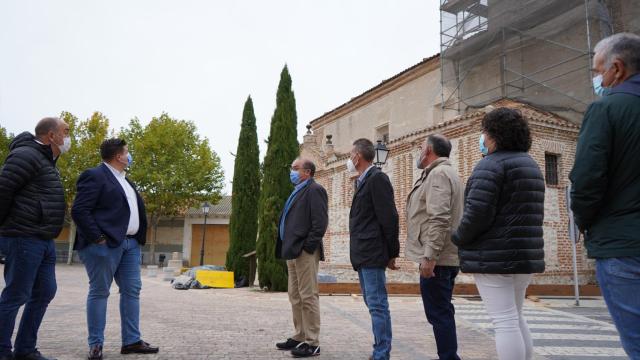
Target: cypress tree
(282, 149)
(243, 226)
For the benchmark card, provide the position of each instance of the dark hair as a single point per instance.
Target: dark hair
(508, 128)
(309, 165)
(111, 147)
(364, 147)
(47, 124)
(440, 144)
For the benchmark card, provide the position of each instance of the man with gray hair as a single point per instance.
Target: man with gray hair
(373, 240)
(434, 210)
(32, 209)
(605, 196)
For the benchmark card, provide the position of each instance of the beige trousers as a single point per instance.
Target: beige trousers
(304, 297)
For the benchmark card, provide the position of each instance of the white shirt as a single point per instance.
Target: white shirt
(134, 219)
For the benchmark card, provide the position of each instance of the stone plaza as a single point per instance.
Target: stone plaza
(246, 323)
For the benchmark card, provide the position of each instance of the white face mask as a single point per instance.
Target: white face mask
(66, 145)
(351, 166)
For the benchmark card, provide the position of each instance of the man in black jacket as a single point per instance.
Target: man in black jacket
(302, 225)
(32, 209)
(605, 197)
(374, 244)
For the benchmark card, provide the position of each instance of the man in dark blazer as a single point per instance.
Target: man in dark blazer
(374, 245)
(112, 226)
(302, 225)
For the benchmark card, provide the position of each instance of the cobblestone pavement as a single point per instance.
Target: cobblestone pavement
(246, 323)
(559, 330)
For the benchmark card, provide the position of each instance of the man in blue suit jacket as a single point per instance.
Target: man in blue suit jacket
(112, 226)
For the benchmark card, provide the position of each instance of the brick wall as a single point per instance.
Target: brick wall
(550, 135)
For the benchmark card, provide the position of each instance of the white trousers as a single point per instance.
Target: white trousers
(503, 296)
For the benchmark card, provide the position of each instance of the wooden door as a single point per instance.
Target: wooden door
(215, 246)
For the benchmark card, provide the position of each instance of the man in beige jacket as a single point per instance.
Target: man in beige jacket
(434, 209)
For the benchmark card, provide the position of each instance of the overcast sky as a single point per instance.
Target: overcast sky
(198, 60)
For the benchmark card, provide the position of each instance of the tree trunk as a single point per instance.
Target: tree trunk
(152, 246)
(72, 238)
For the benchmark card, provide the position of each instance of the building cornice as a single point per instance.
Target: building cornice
(385, 87)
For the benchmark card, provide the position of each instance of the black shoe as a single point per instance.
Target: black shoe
(140, 347)
(288, 345)
(305, 350)
(32, 356)
(95, 353)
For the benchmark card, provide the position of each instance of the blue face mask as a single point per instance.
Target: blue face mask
(129, 159)
(598, 88)
(294, 176)
(483, 148)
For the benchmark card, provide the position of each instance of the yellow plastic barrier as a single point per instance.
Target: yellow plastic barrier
(215, 279)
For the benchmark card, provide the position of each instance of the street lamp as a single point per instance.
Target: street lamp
(205, 210)
(381, 154)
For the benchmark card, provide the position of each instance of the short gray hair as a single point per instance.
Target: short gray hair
(47, 124)
(622, 46)
(364, 147)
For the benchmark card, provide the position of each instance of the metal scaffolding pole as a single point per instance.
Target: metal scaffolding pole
(468, 41)
(574, 237)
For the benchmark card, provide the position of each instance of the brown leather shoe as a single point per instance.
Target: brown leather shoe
(95, 353)
(140, 347)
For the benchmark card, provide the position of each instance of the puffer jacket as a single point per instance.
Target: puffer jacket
(31, 195)
(501, 228)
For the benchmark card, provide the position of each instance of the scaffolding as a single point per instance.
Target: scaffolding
(534, 51)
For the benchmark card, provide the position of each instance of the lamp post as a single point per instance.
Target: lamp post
(205, 210)
(381, 154)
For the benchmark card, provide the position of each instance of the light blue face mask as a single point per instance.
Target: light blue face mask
(129, 159)
(483, 148)
(598, 88)
(294, 176)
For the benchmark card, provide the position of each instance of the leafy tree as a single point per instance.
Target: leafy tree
(5, 141)
(86, 137)
(243, 226)
(173, 168)
(283, 148)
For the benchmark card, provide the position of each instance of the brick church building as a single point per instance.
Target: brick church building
(401, 112)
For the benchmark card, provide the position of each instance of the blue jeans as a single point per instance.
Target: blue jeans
(619, 280)
(103, 264)
(374, 292)
(30, 278)
(436, 298)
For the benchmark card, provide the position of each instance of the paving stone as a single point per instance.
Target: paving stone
(238, 324)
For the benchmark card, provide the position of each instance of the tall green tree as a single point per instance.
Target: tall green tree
(173, 168)
(5, 141)
(243, 226)
(282, 149)
(86, 137)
